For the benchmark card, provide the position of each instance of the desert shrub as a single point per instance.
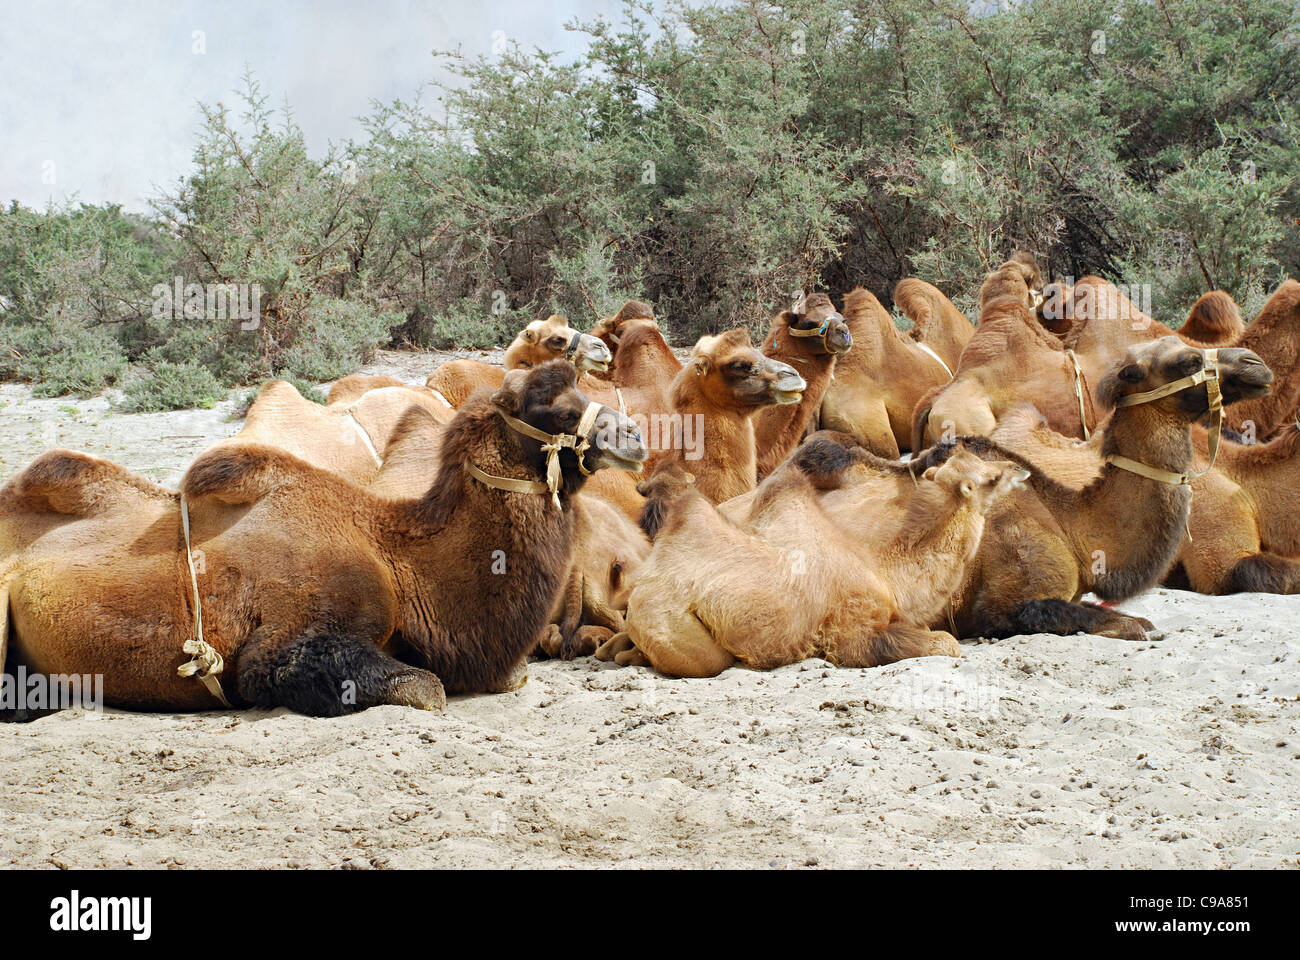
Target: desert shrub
(172, 386)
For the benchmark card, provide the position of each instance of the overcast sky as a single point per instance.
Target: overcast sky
(101, 96)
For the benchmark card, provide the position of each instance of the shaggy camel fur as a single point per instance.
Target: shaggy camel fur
(809, 341)
(879, 382)
(714, 400)
(1244, 535)
(607, 546)
(712, 593)
(1118, 534)
(1275, 336)
(311, 588)
(535, 344)
(345, 439)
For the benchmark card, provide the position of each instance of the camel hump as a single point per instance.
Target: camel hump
(238, 473)
(914, 299)
(1214, 319)
(73, 483)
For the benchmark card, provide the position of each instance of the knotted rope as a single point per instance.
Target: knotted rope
(552, 444)
(205, 663)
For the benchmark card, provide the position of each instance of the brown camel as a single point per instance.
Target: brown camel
(879, 382)
(1013, 358)
(714, 400)
(1244, 535)
(712, 593)
(1047, 546)
(540, 341)
(316, 595)
(607, 545)
(809, 341)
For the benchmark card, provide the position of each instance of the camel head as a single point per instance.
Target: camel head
(982, 483)
(546, 398)
(816, 322)
(1168, 362)
(544, 340)
(611, 330)
(734, 375)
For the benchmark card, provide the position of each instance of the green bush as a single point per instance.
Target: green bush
(61, 357)
(173, 386)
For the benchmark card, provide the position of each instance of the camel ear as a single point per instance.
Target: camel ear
(528, 336)
(507, 396)
(789, 318)
(701, 365)
(930, 473)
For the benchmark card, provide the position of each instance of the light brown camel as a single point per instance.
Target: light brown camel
(1275, 336)
(1047, 546)
(349, 390)
(936, 323)
(879, 382)
(540, 341)
(607, 545)
(712, 593)
(714, 400)
(809, 341)
(317, 596)
(345, 439)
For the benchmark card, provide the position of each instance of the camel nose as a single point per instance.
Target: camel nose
(786, 378)
(618, 434)
(839, 339)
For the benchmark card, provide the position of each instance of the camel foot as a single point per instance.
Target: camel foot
(1066, 618)
(419, 689)
(585, 641)
(551, 641)
(615, 645)
(1125, 627)
(632, 658)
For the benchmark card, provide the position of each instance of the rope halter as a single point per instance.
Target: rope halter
(815, 331)
(1208, 375)
(552, 444)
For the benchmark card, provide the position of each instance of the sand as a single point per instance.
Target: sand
(1037, 751)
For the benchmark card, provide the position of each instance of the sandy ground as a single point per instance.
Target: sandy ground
(1034, 751)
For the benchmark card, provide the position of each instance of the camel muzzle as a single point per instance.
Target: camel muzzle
(617, 442)
(588, 353)
(786, 386)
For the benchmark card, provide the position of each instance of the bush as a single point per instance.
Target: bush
(337, 337)
(173, 386)
(61, 357)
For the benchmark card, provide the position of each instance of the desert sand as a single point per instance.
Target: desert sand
(1037, 751)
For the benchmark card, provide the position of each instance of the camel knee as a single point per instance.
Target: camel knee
(328, 676)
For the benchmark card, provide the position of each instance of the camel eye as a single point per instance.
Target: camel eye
(741, 366)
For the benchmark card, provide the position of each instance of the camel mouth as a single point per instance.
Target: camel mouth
(786, 397)
(615, 460)
(591, 365)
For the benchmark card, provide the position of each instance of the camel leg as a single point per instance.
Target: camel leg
(898, 641)
(588, 639)
(1066, 618)
(1264, 573)
(328, 676)
(611, 648)
(516, 678)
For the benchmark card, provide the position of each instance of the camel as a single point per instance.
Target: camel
(879, 382)
(343, 438)
(349, 390)
(1243, 535)
(712, 593)
(936, 323)
(607, 545)
(540, 341)
(1014, 358)
(1275, 336)
(643, 365)
(810, 342)
(315, 595)
(1117, 534)
(714, 400)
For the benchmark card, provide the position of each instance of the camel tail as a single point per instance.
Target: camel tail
(921, 417)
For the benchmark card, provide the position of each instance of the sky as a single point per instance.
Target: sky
(98, 100)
